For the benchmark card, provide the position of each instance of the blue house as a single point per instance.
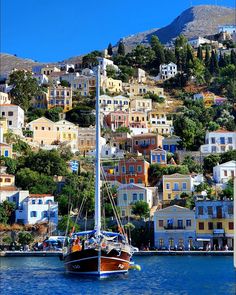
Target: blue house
(170, 144)
(158, 156)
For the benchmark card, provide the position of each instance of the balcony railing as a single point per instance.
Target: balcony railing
(174, 227)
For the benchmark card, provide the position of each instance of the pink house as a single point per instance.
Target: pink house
(117, 119)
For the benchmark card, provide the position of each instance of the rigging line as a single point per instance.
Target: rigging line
(113, 204)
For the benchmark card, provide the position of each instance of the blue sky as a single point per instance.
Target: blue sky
(52, 30)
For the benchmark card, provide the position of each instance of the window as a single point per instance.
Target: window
(125, 197)
(184, 186)
(33, 202)
(135, 197)
(231, 225)
(10, 114)
(45, 214)
(169, 196)
(139, 168)
(230, 140)
(7, 179)
(6, 153)
(131, 169)
(188, 222)
(230, 210)
(10, 123)
(141, 196)
(222, 140)
(140, 180)
(131, 180)
(52, 213)
(123, 213)
(180, 223)
(201, 226)
(161, 242)
(219, 225)
(42, 128)
(33, 214)
(210, 225)
(213, 140)
(171, 242)
(200, 210)
(160, 223)
(3, 113)
(40, 201)
(181, 242)
(225, 172)
(123, 169)
(167, 186)
(176, 186)
(209, 210)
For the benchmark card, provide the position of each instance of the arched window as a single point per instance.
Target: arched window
(40, 201)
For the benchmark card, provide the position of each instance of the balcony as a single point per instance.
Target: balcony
(144, 145)
(174, 227)
(219, 232)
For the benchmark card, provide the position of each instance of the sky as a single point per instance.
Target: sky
(53, 30)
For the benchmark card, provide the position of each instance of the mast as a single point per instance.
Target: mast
(97, 183)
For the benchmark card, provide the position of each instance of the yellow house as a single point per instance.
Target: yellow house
(176, 184)
(3, 125)
(174, 226)
(60, 96)
(158, 122)
(86, 139)
(49, 70)
(111, 85)
(5, 150)
(142, 89)
(128, 194)
(46, 132)
(6, 180)
(215, 223)
(85, 85)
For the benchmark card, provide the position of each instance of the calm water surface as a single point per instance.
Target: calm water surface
(159, 275)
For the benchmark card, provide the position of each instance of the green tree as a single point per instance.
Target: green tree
(155, 97)
(24, 88)
(54, 114)
(111, 71)
(233, 57)
(90, 59)
(63, 222)
(199, 71)
(213, 66)
(158, 49)
(207, 57)
(125, 73)
(11, 164)
(169, 56)
(25, 238)
(140, 208)
(199, 53)
(109, 49)
(209, 162)
(191, 164)
(228, 156)
(65, 83)
(228, 192)
(121, 48)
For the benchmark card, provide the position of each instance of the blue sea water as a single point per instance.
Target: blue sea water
(159, 275)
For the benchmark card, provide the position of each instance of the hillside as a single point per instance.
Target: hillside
(196, 21)
(9, 62)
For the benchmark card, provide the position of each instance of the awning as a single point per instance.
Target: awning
(203, 240)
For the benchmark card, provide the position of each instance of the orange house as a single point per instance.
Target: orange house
(144, 143)
(130, 171)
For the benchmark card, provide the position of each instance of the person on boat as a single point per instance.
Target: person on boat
(76, 245)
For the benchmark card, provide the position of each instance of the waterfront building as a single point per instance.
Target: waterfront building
(158, 156)
(36, 208)
(215, 223)
(222, 173)
(132, 170)
(158, 122)
(144, 143)
(129, 194)
(4, 98)
(174, 227)
(176, 184)
(14, 116)
(219, 141)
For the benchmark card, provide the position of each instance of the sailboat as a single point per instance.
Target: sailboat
(97, 252)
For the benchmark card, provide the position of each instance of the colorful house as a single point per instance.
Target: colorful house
(176, 184)
(171, 143)
(215, 223)
(174, 227)
(224, 172)
(158, 156)
(117, 119)
(132, 170)
(144, 143)
(5, 150)
(141, 104)
(158, 122)
(129, 194)
(59, 96)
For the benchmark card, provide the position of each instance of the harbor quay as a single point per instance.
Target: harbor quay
(140, 253)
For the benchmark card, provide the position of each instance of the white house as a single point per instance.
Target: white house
(219, 141)
(141, 104)
(37, 208)
(4, 98)
(113, 103)
(224, 172)
(196, 42)
(15, 116)
(167, 71)
(104, 62)
(41, 78)
(128, 194)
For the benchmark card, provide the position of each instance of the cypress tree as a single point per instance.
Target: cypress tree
(121, 48)
(233, 57)
(199, 53)
(207, 57)
(109, 49)
(158, 48)
(213, 66)
(222, 62)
